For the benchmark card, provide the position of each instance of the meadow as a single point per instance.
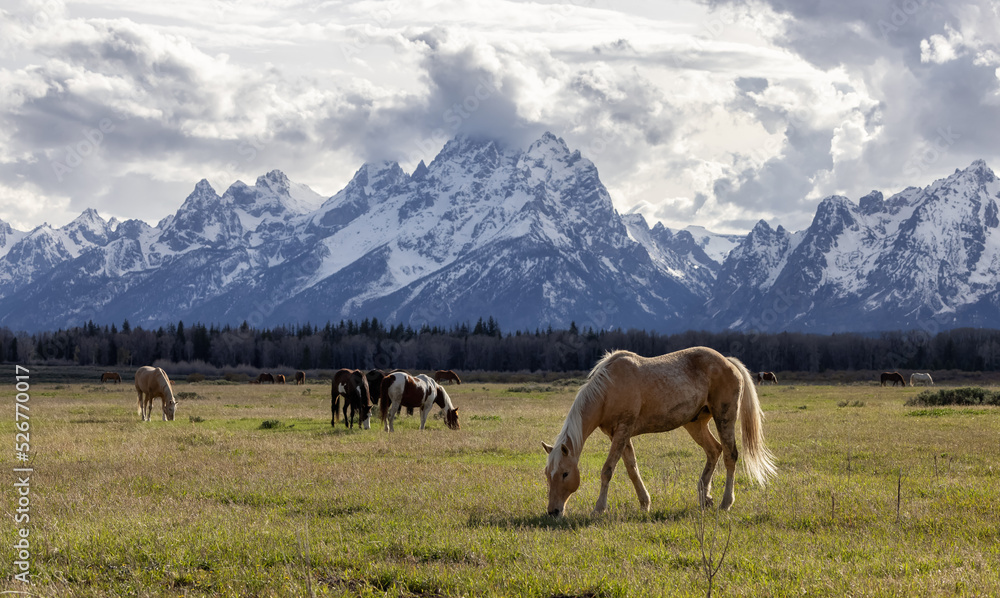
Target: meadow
(251, 492)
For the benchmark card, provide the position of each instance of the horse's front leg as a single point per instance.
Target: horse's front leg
(618, 444)
(632, 467)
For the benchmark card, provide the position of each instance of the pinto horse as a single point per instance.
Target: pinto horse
(894, 377)
(300, 377)
(446, 376)
(626, 395)
(111, 376)
(763, 377)
(400, 389)
(153, 382)
(917, 377)
(351, 385)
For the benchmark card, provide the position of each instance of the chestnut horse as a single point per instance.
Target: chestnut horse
(446, 376)
(153, 382)
(112, 376)
(300, 377)
(265, 377)
(351, 385)
(400, 389)
(279, 378)
(626, 395)
(894, 377)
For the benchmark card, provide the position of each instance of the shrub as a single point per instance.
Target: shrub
(187, 396)
(196, 377)
(269, 424)
(970, 395)
(239, 377)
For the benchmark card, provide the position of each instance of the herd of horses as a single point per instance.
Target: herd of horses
(624, 395)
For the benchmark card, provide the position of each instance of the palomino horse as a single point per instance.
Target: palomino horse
(446, 376)
(894, 377)
(925, 378)
(300, 377)
(265, 377)
(153, 382)
(763, 377)
(626, 395)
(111, 376)
(400, 389)
(351, 385)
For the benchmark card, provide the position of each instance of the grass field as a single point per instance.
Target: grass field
(217, 503)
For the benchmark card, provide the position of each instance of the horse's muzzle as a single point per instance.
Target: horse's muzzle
(555, 512)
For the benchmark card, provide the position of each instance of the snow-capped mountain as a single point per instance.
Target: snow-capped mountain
(924, 258)
(527, 235)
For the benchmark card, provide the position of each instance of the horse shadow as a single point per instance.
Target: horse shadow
(577, 521)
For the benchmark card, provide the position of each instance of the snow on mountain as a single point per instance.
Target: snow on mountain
(527, 235)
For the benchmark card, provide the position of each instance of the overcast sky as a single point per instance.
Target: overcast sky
(712, 113)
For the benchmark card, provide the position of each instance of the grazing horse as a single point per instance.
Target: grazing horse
(153, 382)
(300, 377)
(894, 377)
(446, 376)
(400, 389)
(265, 377)
(374, 378)
(925, 378)
(112, 376)
(626, 395)
(279, 378)
(763, 377)
(351, 385)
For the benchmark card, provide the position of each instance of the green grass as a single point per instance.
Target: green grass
(217, 504)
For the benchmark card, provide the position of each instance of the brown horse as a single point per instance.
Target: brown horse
(112, 376)
(352, 385)
(300, 377)
(279, 378)
(265, 377)
(400, 389)
(626, 395)
(894, 377)
(446, 376)
(763, 377)
(153, 382)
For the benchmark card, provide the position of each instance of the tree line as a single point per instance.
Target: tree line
(484, 346)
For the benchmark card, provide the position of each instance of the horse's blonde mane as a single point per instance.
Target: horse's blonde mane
(592, 390)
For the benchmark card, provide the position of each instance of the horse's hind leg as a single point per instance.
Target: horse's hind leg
(700, 433)
(632, 468)
(727, 433)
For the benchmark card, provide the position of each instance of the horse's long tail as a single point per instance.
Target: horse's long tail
(335, 401)
(758, 460)
(384, 401)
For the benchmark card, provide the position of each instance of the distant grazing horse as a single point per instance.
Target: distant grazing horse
(279, 378)
(153, 382)
(112, 376)
(626, 395)
(351, 385)
(400, 389)
(766, 377)
(894, 377)
(300, 377)
(446, 376)
(374, 378)
(265, 377)
(925, 378)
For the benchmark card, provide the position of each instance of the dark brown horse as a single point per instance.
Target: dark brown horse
(352, 385)
(894, 377)
(112, 377)
(374, 379)
(300, 377)
(446, 376)
(265, 377)
(400, 389)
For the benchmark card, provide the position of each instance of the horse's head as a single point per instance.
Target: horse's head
(563, 475)
(169, 408)
(451, 418)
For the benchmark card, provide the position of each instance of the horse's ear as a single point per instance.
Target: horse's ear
(565, 450)
(547, 447)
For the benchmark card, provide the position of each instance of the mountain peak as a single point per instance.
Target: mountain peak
(275, 181)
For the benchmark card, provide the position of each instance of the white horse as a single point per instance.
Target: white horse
(917, 377)
(400, 389)
(153, 382)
